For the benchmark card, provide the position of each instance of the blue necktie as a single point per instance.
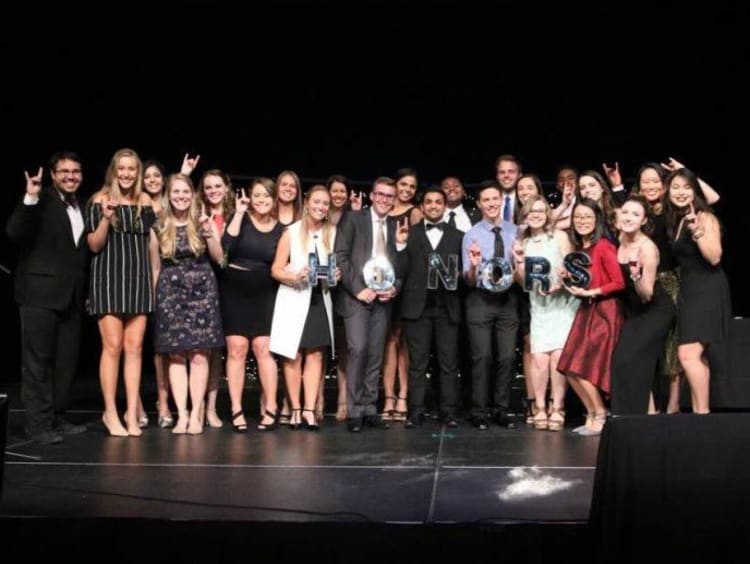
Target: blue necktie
(506, 209)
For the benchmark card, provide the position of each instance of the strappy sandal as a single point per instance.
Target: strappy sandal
(540, 420)
(294, 425)
(306, 424)
(531, 410)
(238, 427)
(387, 414)
(268, 426)
(397, 414)
(556, 419)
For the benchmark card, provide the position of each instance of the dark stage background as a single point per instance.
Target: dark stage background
(371, 87)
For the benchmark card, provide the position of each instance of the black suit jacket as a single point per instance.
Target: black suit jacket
(353, 249)
(51, 269)
(414, 294)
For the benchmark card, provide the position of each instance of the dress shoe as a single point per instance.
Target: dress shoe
(480, 423)
(450, 421)
(354, 425)
(65, 427)
(375, 422)
(414, 420)
(47, 438)
(503, 420)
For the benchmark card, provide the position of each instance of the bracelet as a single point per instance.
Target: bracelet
(697, 234)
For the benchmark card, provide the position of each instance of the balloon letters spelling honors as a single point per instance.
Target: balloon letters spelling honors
(325, 271)
(436, 269)
(537, 268)
(496, 275)
(576, 264)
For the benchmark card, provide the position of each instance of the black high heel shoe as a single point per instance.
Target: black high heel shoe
(295, 423)
(268, 426)
(306, 424)
(241, 427)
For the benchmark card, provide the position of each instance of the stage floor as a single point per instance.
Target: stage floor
(430, 474)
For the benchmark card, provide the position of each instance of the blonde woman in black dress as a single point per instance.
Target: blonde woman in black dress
(118, 220)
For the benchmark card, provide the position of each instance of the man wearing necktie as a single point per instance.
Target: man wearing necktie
(49, 289)
(431, 316)
(492, 317)
(456, 213)
(508, 171)
(361, 236)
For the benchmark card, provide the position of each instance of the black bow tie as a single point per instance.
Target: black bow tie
(70, 199)
(429, 226)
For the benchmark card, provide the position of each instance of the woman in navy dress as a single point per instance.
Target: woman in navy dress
(188, 319)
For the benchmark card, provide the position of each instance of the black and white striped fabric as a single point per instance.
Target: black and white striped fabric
(120, 280)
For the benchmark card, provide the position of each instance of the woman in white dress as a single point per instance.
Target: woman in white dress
(552, 310)
(302, 325)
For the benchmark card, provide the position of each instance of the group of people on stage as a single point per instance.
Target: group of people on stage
(630, 294)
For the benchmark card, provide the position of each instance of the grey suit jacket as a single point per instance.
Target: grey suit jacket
(353, 249)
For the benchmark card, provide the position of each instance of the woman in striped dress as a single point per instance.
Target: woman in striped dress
(118, 220)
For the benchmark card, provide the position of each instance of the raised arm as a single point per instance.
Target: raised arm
(98, 237)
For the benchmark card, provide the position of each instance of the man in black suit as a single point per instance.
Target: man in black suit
(49, 290)
(432, 314)
(362, 235)
(460, 214)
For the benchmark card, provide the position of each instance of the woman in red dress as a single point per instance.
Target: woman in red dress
(586, 358)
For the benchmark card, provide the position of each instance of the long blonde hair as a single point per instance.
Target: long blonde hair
(327, 223)
(111, 188)
(526, 210)
(166, 226)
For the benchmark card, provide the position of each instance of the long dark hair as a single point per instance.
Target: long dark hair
(574, 237)
(675, 214)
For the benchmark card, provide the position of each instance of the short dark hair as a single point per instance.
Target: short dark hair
(485, 184)
(63, 156)
(434, 189)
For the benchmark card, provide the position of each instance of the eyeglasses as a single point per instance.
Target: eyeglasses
(68, 171)
(383, 195)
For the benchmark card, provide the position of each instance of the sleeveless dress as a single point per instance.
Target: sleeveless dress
(187, 302)
(120, 280)
(641, 344)
(551, 315)
(705, 307)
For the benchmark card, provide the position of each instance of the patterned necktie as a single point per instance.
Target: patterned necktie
(499, 245)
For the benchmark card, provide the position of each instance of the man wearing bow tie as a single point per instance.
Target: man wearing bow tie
(49, 289)
(432, 315)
